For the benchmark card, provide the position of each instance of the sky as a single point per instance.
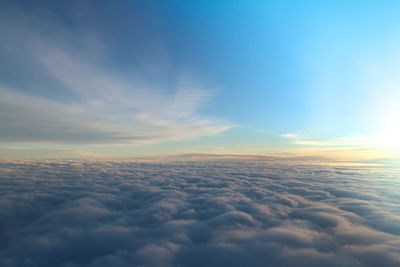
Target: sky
(199, 133)
(100, 79)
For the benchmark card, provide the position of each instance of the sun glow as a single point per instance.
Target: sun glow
(389, 134)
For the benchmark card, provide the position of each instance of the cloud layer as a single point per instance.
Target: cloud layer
(205, 212)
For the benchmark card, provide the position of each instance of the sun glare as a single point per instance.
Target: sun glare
(389, 136)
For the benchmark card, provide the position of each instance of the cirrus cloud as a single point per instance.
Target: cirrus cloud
(66, 84)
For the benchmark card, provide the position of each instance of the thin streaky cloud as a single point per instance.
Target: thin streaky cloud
(104, 107)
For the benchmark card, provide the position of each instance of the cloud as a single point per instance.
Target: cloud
(197, 211)
(339, 148)
(63, 84)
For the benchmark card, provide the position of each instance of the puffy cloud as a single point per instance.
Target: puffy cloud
(236, 211)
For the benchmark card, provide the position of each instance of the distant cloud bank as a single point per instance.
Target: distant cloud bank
(209, 212)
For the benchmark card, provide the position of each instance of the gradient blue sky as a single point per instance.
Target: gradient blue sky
(133, 78)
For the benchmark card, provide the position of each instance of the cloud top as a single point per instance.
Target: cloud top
(243, 211)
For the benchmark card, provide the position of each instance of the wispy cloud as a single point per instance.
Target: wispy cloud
(304, 140)
(76, 98)
(343, 148)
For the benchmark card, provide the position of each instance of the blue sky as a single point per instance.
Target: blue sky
(132, 78)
